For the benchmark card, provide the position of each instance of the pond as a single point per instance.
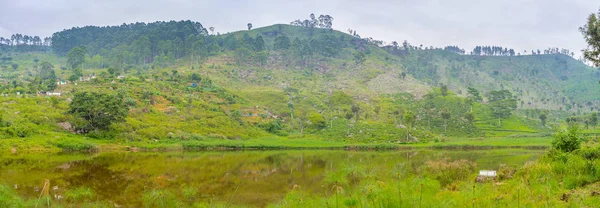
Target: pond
(246, 178)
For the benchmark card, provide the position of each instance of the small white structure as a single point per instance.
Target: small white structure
(53, 94)
(121, 77)
(487, 173)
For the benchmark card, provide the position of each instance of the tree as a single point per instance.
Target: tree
(348, 116)
(96, 111)
(409, 121)
(259, 43)
(15, 66)
(403, 75)
(444, 90)
(502, 104)
(474, 94)
(73, 78)
(359, 58)
(195, 77)
(282, 42)
(75, 57)
(445, 115)
(591, 34)
(355, 109)
(543, 118)
(291, 107)
(594, 122)
(249, 26)
(470, 117)
(48, 76)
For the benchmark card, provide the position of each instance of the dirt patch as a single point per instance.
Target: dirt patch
(390, 83)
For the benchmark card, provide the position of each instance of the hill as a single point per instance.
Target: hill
(286, 81)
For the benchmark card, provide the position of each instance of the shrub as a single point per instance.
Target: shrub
(76, 146)
(447, 172)
(567, 141)
(272, 127)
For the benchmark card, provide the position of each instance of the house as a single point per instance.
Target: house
(121, 77)
(61, 82)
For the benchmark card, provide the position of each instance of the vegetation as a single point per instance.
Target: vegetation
(177, 86)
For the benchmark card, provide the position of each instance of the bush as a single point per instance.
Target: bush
(447, 172)
(272, 127)
(590, 153)
(567, 141)
(76, 146)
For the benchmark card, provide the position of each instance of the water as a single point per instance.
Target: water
(250, 178)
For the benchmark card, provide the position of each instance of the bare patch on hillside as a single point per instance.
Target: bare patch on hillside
(390, 83)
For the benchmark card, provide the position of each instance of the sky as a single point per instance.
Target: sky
(522, 24)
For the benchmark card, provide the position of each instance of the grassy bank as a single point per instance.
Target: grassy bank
(83, 144)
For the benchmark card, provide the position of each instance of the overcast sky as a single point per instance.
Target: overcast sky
(523, 24)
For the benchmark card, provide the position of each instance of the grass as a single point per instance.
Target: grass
(81, 144)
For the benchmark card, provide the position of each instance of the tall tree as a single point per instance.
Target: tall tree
(444, 90)
(409, 121)
(75, 57)
(48, 76)
(445, 115)
(249, 26)
(543, 117)
(594, 122)
(591, 34)
(259, 43)
(502, 104)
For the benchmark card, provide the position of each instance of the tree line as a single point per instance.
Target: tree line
(23, 43)
(323, 21)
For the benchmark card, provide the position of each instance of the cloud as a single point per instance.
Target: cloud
(524, 24)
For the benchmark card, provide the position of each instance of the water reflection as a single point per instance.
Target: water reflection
(245, 177)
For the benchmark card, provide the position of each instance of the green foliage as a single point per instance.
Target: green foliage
(543, 117)
(8, 198)
(76, 57)
(501, 103)
(444, 90)
(591, 34)
(282, 42)
(273, 126)
(95, 111)
(449, 171)
(359, 58)
(72, 145)
(474, 94)
(567, 141)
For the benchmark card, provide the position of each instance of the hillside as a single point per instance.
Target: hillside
(286, 81)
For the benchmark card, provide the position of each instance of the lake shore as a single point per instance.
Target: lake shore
(83, 144)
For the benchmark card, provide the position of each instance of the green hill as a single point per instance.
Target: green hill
(282, 81)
